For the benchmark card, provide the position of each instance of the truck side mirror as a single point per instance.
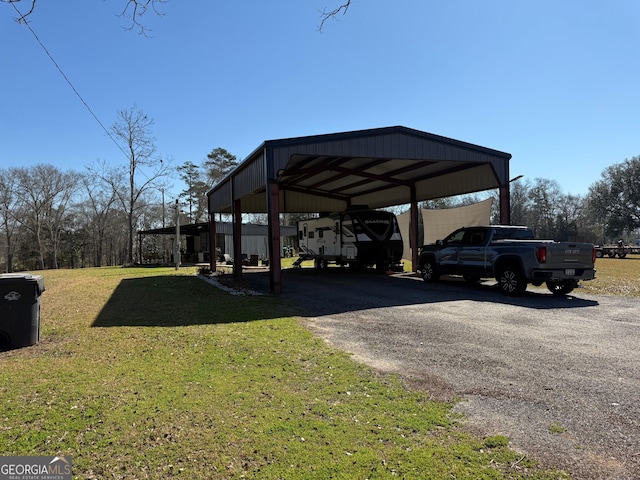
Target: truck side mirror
(439, 243)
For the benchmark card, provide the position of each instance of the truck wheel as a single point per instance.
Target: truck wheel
(429, 272)
(511, 280)
(561, 287)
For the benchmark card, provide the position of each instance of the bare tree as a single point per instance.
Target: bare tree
(136, 9)
(133, 9)
(45, 193)
(328, 14)
(520, 202)
(569, 213)
(97, 210)
(8, 209)
(63, 188)
(545, 196)
(144, 169)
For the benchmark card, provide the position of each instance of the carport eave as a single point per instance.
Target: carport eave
(390, 136)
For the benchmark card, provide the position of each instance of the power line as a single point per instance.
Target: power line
(25, 22)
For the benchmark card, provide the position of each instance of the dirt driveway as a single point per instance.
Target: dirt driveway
(559, 376)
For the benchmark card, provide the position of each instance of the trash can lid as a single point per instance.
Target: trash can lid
(25, 277)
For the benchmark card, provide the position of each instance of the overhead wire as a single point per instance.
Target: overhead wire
(26, 23)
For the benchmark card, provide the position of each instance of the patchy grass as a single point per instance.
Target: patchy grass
(153, 373)
(556, 428)
(616, 276)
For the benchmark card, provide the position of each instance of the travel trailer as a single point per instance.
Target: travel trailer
(357, 237)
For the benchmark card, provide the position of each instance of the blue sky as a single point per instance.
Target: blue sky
(556, 84)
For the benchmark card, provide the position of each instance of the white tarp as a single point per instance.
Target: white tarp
(403, 224)
(440, 223)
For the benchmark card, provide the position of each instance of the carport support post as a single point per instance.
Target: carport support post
(237, 239)
(413, 229)
(273, 215)
(140, 248)
(505, 205)
(213, 254)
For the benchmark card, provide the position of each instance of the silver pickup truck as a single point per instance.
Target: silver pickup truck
(512, 256)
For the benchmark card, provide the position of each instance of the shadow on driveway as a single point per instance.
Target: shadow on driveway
(336, 290)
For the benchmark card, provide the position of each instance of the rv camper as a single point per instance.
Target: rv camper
(358, 238)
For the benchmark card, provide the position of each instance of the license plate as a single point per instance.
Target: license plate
(569, 271)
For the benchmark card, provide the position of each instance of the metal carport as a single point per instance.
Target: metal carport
(378, 167)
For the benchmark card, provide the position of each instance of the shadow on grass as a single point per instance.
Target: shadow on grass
(171, 301)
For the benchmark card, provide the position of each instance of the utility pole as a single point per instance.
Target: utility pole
(177, 245)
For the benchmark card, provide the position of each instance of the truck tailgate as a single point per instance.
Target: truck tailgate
(570, 255)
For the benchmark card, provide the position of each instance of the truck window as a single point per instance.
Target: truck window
(474, 237)
(455, 237)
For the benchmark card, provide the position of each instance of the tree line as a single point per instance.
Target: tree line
(609, 211)
(51, 218)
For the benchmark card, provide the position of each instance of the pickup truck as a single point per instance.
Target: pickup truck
(512, 256)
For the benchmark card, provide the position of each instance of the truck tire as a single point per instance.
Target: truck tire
(511, 280)
(429, 271)
(561, 287)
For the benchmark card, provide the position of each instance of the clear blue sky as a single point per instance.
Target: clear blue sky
(556, 84)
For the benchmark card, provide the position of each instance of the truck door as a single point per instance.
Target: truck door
(471, 256)
(448, 254)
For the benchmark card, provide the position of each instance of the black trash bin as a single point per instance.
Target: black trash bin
(20, 309)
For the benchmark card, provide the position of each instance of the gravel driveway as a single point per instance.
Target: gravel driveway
(560, 376)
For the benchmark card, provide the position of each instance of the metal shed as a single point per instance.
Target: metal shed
(378, 167)
(196, 235)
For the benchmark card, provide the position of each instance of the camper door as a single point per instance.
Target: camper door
(303, 242)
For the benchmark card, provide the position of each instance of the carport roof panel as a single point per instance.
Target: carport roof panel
(318, 173)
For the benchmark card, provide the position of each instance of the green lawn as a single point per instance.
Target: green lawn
(153, 373)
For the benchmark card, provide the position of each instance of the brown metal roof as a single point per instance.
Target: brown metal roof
(377, 168)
